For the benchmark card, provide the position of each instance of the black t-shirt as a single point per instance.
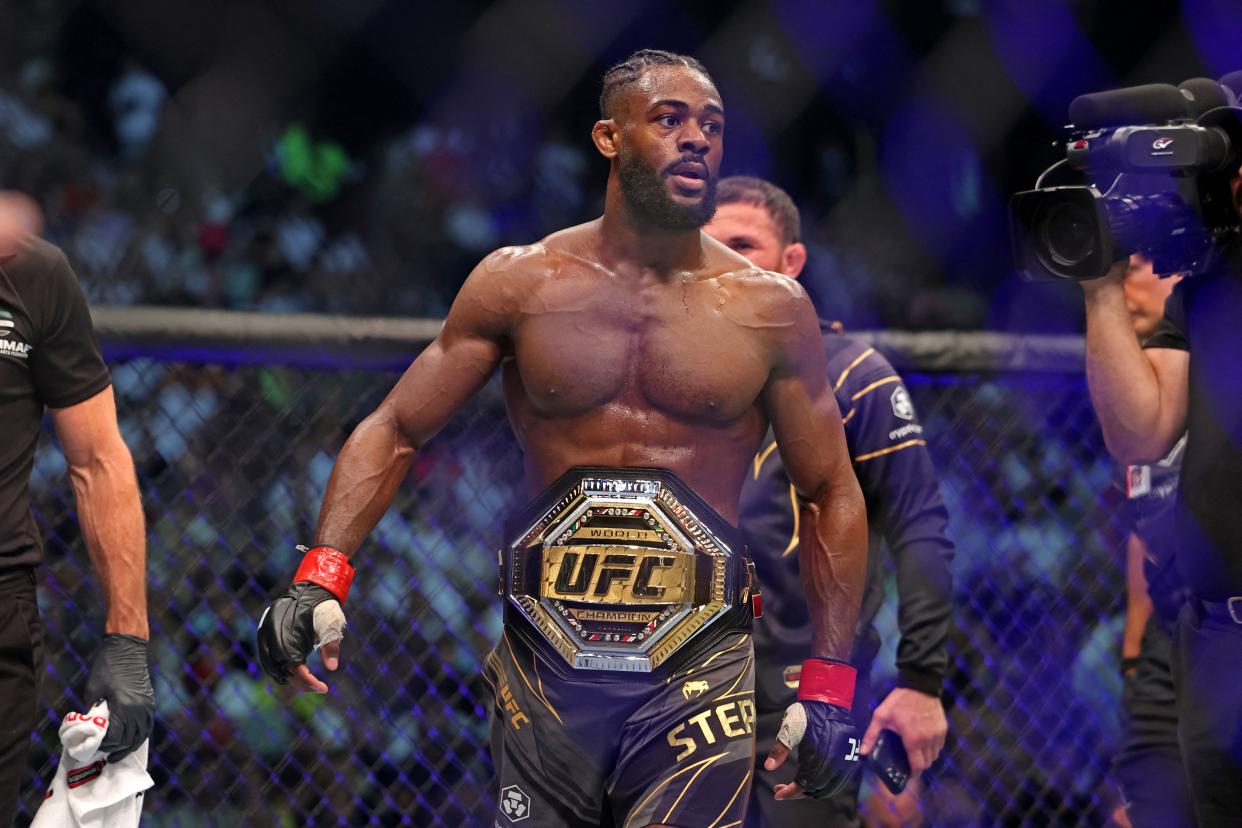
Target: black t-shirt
(48, 357)
(1203, 315)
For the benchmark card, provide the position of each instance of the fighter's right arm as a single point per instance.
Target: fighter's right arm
(1140, 396)
(375, 460)
(378, 454)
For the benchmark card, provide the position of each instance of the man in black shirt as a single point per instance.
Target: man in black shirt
(1188, 378)
(49, 359)
(904, 509)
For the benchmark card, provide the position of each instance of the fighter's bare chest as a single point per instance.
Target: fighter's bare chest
(676, 353)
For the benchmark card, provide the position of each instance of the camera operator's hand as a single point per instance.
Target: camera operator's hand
(1113, 279)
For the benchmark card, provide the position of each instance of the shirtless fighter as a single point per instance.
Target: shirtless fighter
(642, 364)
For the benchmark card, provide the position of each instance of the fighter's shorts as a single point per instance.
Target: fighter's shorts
(602, 749)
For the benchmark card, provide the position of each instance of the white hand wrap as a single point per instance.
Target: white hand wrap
(329, 620)
(793, 726)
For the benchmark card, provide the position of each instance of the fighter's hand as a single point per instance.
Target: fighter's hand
(307, 616)
(918, 718)
(121, 676)
(827, 743)
(819, 724)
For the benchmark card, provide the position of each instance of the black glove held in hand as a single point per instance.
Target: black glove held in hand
(287, 629)
(828, 757)
(121, 676)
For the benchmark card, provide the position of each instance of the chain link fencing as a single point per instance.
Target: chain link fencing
(234, 421)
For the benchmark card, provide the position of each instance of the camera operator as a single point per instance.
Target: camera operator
(1147, 397)
(1148, 765)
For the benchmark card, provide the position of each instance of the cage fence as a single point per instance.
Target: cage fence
(234, 421)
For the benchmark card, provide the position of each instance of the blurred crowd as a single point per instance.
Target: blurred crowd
(156, 202)
(392, 228)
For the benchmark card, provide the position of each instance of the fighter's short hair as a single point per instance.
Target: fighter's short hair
(628, 71)
(746, 189)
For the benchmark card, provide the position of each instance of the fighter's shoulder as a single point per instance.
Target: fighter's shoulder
(561, 252)
(513, 261)
(509, 273)
(763, 298)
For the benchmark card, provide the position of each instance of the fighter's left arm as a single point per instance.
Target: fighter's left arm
(898, 479)
(833, 516)
(832, 554)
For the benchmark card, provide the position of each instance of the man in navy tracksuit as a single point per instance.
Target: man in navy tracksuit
(904, 509)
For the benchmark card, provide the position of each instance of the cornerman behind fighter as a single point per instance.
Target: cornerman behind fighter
(642, 362)
(904, 508)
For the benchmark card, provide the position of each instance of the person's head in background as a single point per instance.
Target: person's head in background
(759, 220)
(1145, 295)
(20, 218)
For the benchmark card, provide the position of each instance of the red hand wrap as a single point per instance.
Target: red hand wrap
(328, 568)
(827, 681)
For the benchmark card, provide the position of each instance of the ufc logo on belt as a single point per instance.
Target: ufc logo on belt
(617, 575)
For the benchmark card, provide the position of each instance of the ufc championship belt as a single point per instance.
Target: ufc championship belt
(624, 570)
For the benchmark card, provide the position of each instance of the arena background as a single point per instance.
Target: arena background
(311, 157)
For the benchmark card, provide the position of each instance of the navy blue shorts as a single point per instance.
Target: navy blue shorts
(608, 749)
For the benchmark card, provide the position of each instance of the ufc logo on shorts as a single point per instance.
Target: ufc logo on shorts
(851, 755)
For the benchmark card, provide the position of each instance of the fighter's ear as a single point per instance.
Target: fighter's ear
(607, 137)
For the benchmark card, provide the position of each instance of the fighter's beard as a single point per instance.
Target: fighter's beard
(645, 194)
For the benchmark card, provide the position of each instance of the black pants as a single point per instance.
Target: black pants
(1208, 673)
(21, 663)
(1149, 766)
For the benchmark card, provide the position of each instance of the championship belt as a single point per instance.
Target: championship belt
(622, 570)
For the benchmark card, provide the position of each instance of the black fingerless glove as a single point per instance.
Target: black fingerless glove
(287, 630)
(286, 634)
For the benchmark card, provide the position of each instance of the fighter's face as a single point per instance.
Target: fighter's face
(748, 229)
(672, 140)
(1145, 295)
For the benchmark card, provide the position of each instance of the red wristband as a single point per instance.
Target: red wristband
(328, 568)
(827, 681)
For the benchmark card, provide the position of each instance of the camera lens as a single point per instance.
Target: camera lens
(1067, 233)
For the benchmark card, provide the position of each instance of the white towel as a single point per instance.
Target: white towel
(87, 792)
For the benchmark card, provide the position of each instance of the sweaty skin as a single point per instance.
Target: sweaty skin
(624, 344)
